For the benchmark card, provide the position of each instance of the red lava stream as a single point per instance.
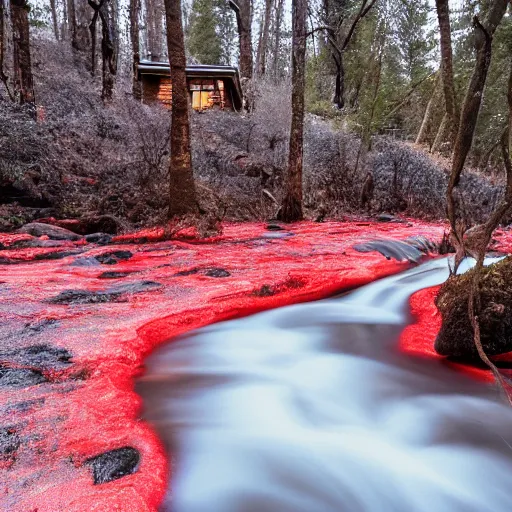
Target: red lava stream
(94, 312)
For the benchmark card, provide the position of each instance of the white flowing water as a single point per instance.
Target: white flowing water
(311, 408)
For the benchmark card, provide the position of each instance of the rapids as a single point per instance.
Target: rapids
(312, 408)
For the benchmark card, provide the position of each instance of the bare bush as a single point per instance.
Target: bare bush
(83, 158)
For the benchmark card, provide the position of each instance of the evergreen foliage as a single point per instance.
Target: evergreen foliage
(204, 43)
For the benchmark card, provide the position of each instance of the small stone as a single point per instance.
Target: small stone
(57, 255)
(189, 272)
(137, 287)
(217, 272)
(68, 297)
(114, 464)
(52, 232)
(113, 275)
(265, 291)
(274, 227)
(98, 238)
(113, 257)
(385, 217)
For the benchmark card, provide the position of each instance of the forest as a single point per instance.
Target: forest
(255, 255)
(381, 84)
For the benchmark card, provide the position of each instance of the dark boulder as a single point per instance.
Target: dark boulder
(189, 272)
(395, 249)
(52, 232)
(456, 335)
(217, 272)
(57, 255)
(98, 238)
(38, 357)
(114, 464)
(136, 287)
(274, 227)
(18, 378)
(68, 297)
(113, 257)
(113, 275)
(386, 217)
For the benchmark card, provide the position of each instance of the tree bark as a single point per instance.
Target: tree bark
(3, 77)
(64, 24)
(53, 9)
(277, 37)
(471, 108)
(182, 194)
(108, 50)
(509, 98)
(154, 29)
(291, 209)
(429, 112)
(135, 40)
(72, 23)
(242, 9)
(23, 80)
(93, 26)
(445, 32)
(263, 43)
(441, 134)
(82, 34)
(339, 42)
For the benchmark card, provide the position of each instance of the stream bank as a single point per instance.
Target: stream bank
(78, 319)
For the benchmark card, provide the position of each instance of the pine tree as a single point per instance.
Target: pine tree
(204, 44)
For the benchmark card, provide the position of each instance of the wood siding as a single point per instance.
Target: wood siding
(205, 93)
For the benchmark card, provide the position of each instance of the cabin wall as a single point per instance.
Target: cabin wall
(157, 89)
(204, 93)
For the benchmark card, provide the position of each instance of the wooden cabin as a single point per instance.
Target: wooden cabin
(209, 86)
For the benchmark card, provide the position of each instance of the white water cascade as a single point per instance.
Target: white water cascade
(311, 408)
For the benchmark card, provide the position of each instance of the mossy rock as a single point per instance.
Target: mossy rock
(455, 338)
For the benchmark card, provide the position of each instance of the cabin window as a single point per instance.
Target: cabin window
(207, 93)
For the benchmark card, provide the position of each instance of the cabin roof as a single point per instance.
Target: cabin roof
(229, 73)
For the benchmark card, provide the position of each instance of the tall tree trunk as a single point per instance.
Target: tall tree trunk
(55, 24)
(291, 209)
(429, 112)
(3, 77)
(445, 32)
(470, 110)
(135, 40)
(338, 44)
(182, 194)
(82, 38)
(339, 86)
(23, 80)
(278, 18)
(263, 43)
(64, 26)
(242, 9)
(441, 135)
(155, 29)
(72, 23)
(108, 50)
(93, 28)
(509, 98)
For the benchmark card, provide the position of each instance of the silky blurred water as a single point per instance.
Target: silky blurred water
(311, 408)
